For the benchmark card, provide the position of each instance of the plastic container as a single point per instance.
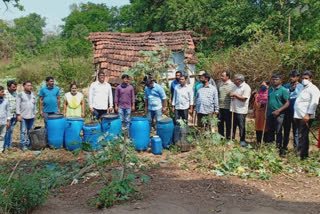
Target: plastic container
(91, 135)
(165, 129)
(111, 125)
(139, 131)
(156, 145)
(72, 138)
(38, 138)
(180, 138)
(55, 130)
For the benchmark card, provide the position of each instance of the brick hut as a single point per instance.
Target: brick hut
(115, 52)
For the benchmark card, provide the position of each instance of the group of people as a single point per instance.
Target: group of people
(275, 106)
(279, 108)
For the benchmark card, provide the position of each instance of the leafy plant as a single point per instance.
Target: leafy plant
(213, 152)
(118, 154)
(23, 192)
(154, 65)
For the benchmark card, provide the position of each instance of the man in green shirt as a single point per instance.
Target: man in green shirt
(278, 101)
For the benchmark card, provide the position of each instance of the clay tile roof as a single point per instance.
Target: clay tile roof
(116, 52)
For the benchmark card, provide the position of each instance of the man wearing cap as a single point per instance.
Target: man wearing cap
(155, 100)
(278, 101)
(304, 112)
(240, 96)
(294, 88)
(199, 83)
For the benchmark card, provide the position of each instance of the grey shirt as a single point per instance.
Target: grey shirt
(4, 112)
(26, 105)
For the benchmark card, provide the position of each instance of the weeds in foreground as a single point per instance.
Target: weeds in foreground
(22, 191)
(123, 174)
(222, 157)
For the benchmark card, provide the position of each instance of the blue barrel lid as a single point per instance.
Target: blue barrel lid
(139, 119)
(55, 116)
(110, 116)
(165, 120)
(75, 119)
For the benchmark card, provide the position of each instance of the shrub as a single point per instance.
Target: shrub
(21, 194)
(263, 56)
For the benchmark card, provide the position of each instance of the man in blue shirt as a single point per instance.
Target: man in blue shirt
(175, 83)
(49, 99)
(155, 100)
(294, 88)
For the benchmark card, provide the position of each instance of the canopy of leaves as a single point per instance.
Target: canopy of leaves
(225, 22)
(95, 17)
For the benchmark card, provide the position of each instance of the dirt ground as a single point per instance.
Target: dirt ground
(173, 190)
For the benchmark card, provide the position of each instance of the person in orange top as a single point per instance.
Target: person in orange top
(259, 110)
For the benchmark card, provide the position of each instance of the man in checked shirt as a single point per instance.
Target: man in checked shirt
(207, 101)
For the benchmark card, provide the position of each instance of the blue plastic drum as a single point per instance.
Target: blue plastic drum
(165, 129)
(55, 130)
(111, 125)
(72, 131)
(91, 135)
(139, 131)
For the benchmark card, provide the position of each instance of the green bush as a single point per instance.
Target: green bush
(21, 194)
(224, 157)
(263, 56)
(26, 191)
(115, 191)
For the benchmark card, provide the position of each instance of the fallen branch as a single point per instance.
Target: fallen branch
(14, 169)
(82, 171)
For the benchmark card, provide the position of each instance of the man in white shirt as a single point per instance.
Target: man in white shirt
(240, 96)
(100, 97)
(182, 101)
(304, 112)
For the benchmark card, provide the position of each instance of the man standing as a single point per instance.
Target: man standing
(199, 83)
(278, 101)
(49, 102)
(155, 100)
(100, 97)
(240, 97)
(294, 88)
(304, 112)
(4, 118)
(26, 113)
(175, 83)
(224, 90)
(124, 100)
(11, 97)
(182, 101)
(207, 101)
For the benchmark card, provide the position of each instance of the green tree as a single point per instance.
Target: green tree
(29, 32)
(7, 41)
(95, 17)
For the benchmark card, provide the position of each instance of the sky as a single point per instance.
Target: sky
(53, 10)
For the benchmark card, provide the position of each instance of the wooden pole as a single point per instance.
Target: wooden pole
(232, 118)
(264, 124)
